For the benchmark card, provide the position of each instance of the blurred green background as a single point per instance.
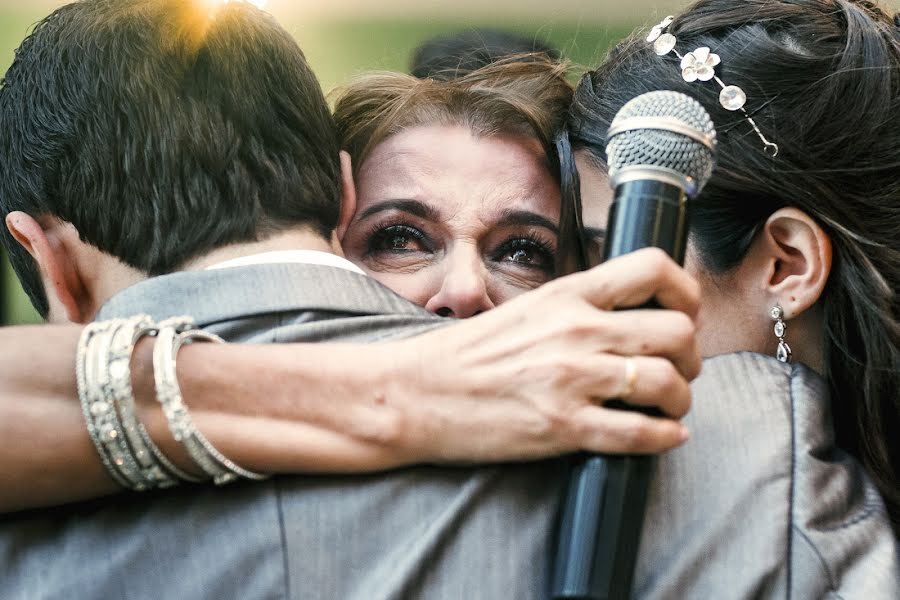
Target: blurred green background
(348, 37)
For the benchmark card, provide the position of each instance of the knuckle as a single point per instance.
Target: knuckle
(687, 400)
(683, 330)
(657, 258)
(562, 286)
(583, 325)
(562, 373)
(636, 434)
(604, 380)
(555, 421)
(696, 364)
(603, 284)
(670, 380)
(678, 400)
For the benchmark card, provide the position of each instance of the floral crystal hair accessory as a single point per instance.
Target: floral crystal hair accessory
(700, 65)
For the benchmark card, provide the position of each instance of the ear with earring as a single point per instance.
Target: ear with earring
(784, 351)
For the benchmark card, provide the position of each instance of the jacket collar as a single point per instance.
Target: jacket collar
(225, 294)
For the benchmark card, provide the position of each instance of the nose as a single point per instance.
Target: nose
(464, 288)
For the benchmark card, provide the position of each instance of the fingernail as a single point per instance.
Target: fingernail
(685, 434)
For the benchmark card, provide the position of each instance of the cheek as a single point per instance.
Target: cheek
(353, 244)
(726, 321)
(417, 287)
(500, 289)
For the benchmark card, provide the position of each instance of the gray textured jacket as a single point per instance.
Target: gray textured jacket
(760, 503)
(755, 505)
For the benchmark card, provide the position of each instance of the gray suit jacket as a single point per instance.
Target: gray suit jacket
(724, 518)
(760, 503)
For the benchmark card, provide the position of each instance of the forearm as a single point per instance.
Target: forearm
(524, 381)
(46, 455)
(309, 409)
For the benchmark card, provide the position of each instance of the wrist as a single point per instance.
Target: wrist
(415, 394)
(148, 410)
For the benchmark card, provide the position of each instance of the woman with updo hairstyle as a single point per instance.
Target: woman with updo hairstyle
(797, 230)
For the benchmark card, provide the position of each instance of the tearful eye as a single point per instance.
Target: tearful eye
(522, 255)
(398, 239)
(527, 253)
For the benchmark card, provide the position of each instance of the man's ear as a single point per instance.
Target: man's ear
(797, 258)
(43, 240)
(348, 194)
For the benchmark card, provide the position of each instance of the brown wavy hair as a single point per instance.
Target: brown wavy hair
(513, 96)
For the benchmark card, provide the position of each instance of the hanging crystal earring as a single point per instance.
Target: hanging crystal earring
(784, 351)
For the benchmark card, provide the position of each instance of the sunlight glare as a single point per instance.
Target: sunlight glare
(261, 4)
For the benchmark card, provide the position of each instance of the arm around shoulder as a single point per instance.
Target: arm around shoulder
(524, 381)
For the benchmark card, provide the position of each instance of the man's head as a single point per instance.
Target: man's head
(146, 133)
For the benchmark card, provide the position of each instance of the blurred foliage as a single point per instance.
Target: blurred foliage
(340, 50)
(337, 51)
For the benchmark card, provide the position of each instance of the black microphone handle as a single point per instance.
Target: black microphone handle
(605, 501)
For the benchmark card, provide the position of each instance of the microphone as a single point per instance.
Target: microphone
(660, 154)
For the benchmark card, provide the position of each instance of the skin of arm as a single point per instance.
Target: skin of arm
(521, 382)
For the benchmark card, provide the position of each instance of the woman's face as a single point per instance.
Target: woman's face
(454, 222)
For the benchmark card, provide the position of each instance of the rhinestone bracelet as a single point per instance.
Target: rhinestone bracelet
(172, 335)
(85, 369)
(155, 468)
(98, 406)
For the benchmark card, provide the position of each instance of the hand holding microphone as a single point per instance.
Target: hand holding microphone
(660, 155)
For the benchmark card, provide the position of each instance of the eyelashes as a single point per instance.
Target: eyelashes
(399, 239)
(396, 238)
(528, 250)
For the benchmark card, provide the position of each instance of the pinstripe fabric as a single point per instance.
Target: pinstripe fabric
(724, 520)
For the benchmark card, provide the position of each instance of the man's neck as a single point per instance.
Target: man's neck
(298, 239)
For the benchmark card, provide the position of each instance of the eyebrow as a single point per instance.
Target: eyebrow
(422, 210)
(525, 217)
(413, 207)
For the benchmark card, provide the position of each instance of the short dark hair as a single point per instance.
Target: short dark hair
(162, 130)
(445, 57)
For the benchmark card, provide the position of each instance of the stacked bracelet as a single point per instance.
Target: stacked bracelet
(155, 467)
(98, 414)
(99, 405)
(207, 457)
(103, 373)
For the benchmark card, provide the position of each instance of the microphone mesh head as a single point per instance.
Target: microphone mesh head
(652, 131)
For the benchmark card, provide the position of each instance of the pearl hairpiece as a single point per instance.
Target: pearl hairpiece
(700, 65)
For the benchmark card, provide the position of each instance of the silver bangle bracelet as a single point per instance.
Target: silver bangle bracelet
(98, 405)
(169, 340)
(167, 464)
(85, 369)
(155, 468)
